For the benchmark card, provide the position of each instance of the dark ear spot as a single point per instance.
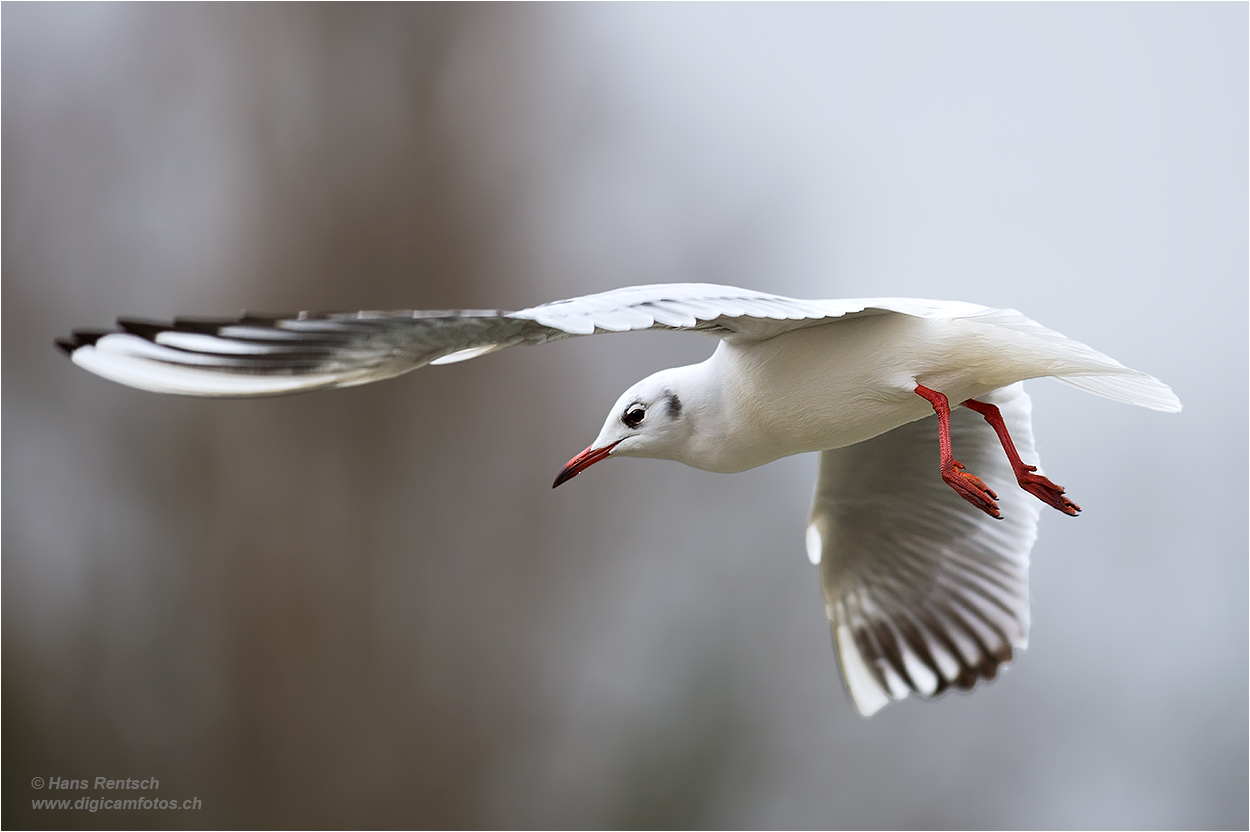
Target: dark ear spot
(674, 405)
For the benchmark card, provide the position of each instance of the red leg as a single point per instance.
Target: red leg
(1037, 485)
(966, 485)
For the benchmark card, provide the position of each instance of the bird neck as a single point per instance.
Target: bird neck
(722, 436)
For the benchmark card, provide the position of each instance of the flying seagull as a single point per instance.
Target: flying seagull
(924, 566)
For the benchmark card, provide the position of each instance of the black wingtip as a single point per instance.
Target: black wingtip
(141, 327)
(203, 326)
(80, 338)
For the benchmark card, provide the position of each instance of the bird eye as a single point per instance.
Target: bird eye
(634, 414)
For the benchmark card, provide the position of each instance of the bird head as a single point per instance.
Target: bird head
(650, 419)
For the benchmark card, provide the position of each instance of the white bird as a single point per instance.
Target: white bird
(923, 592)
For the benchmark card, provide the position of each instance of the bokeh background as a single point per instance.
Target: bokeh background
(367, 607)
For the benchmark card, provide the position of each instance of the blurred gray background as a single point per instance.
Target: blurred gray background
(367, 607)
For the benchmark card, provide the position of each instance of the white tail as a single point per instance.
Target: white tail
(1129, 387)
(1087, 368)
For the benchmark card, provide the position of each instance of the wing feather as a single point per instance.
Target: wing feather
(924, 592)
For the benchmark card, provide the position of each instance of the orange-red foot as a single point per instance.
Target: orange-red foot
(1045, 490)
(971, 488)
(1037, 485)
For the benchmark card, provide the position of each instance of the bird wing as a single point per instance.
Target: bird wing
(262, 355)
(924, 592)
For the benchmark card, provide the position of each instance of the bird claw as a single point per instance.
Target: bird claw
(972, 489)
(1046, 491)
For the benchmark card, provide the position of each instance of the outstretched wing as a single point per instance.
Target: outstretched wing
(268, 355)
(924, 592)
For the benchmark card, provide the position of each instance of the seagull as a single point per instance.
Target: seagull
(923, 559)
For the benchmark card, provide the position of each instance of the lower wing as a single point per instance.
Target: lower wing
(924, 592)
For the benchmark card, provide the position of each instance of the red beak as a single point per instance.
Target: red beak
(582, 461)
